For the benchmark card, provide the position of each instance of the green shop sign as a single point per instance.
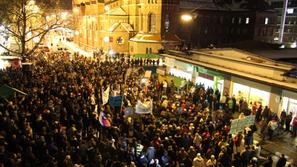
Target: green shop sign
(207, 71)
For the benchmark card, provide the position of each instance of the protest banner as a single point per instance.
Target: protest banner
(115, 101)
(105, 96)
(144, 108)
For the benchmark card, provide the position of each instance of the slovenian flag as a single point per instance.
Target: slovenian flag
(105, 122)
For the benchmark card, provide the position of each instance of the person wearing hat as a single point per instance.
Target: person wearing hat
(198, 161)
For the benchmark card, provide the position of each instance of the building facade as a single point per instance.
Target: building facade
(217, 27)
(286, 21)
(124, 26)
(240, 74)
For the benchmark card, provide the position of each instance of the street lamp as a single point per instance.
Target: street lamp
(186, 17)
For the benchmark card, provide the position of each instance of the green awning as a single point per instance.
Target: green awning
(146, 56)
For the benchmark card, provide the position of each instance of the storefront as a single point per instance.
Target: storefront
(181, 74)
(289, 102)
(250, 91)
(209, 78)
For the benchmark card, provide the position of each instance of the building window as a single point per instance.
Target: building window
(290, 10)
(233, 20)
(141, 22)
(120, 40)
(151, 22)
(247, 20)
(167, 23)
(239, 20)
(266, 20)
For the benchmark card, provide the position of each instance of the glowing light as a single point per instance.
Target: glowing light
(64, 15)
(106, 8)
(293, 45)
(75, 10)
(106, 39)
(110, 52)
(76, 33)
(186, 17)
(36, 39)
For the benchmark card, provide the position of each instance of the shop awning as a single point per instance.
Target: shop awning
(147, 56)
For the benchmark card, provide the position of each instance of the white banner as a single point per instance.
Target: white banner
(144, 108)
(105, 96)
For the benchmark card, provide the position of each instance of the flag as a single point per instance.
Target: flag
(105, 96)
(115, 101)
(144, 108)
(6, 91)
(105, 122)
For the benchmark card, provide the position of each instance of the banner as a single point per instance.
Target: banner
(105, 96)
(237, 125)
(115, 101)
(144, 108)
(103, 120)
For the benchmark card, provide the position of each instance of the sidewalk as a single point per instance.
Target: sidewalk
(283, 144)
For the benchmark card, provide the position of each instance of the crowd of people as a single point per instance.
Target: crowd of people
(57, 124)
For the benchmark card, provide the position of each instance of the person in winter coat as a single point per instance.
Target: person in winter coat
(198, 161)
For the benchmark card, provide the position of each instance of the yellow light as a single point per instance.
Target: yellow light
(64, 15)
(76, 10)
(187, 17)
(106, 8)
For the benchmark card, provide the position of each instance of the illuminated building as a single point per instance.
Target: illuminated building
(125, 26)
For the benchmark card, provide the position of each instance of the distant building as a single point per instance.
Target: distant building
(286, 20)
(216, 25)
(125, 26)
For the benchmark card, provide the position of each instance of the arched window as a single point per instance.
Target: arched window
(151, 22)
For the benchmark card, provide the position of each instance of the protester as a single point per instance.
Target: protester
(68, 119)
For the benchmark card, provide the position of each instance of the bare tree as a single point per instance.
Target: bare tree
(27, 22)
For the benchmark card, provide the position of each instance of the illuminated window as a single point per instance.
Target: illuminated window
(233, 20)
(239, 20)
(266, 20)
(290, 11)
(247, 20)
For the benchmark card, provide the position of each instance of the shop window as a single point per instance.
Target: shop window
(251, 94)
(289, 105)
(151, 22)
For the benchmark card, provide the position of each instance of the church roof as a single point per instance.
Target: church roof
(126, 26)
